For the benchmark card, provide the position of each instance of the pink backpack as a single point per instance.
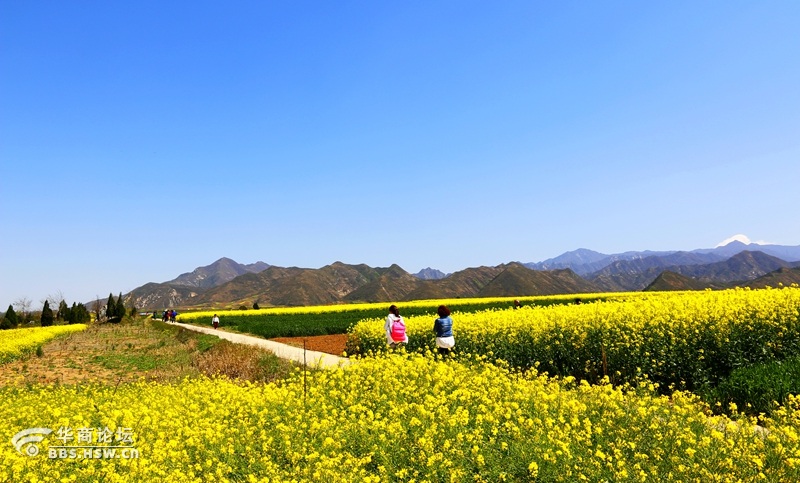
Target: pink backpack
(398, 330)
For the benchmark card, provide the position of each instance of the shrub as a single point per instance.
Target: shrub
(9, 319)
(758, 388)
(241, 362)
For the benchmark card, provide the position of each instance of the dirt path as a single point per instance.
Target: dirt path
(329, 344)
(283, 351)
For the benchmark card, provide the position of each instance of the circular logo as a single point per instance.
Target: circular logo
(30, 435)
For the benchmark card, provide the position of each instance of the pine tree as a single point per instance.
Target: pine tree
(72, 314)
(111, 306)
(10, 320)
(63, 311)
(80, 315)
(47, 315)
(120, 312)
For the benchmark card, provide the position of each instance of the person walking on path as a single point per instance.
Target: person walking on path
(395, 328)
(443, 328)
(215, 321)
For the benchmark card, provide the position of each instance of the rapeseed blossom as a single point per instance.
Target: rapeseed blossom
(680, 340)
(16, 343)
(202, 315)
(399, 418)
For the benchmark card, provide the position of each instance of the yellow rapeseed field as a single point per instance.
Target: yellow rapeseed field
(681, 339)
(416, 417)
(16, 343)
(392, 418)
(319, 309)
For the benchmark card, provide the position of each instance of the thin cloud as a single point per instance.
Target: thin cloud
(740, 238)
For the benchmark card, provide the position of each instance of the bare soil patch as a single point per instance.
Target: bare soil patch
(109, 353)
(140, 349)
(329, 344)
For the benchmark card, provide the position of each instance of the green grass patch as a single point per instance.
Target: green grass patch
(206, 342)
(302, 324)
(757, 389)
(129, 362)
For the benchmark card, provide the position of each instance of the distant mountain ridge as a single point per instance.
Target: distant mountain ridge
(584, 262)
(786, 253)
(226, 283)
(219, 272)
(339, 282)
(637, 275)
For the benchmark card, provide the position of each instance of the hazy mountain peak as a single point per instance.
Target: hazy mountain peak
(740, 240)
(430, 274)
(582, 261)
(583, 255)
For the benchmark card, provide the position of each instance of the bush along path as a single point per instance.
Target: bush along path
(284, 351)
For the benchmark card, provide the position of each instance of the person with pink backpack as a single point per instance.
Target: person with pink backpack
(395, 328)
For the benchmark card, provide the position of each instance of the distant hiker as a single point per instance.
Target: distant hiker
(165, 316)
(577, 301)
(215, 321)
(395, 328)
(172, 315)
(517, 304)
(443, 328)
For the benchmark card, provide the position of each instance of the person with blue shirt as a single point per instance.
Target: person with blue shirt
(443, 328)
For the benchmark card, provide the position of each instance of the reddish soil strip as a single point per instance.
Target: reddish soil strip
(329, 344)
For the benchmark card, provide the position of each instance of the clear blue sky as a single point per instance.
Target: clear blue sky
(140, 140)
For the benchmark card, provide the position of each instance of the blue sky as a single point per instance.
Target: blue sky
(140, 140)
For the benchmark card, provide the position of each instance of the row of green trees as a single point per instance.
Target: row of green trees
(115, 309)
(77, 314)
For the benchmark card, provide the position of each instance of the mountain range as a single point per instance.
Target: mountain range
(226, 283)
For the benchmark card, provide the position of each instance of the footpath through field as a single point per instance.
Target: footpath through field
(283, 351)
